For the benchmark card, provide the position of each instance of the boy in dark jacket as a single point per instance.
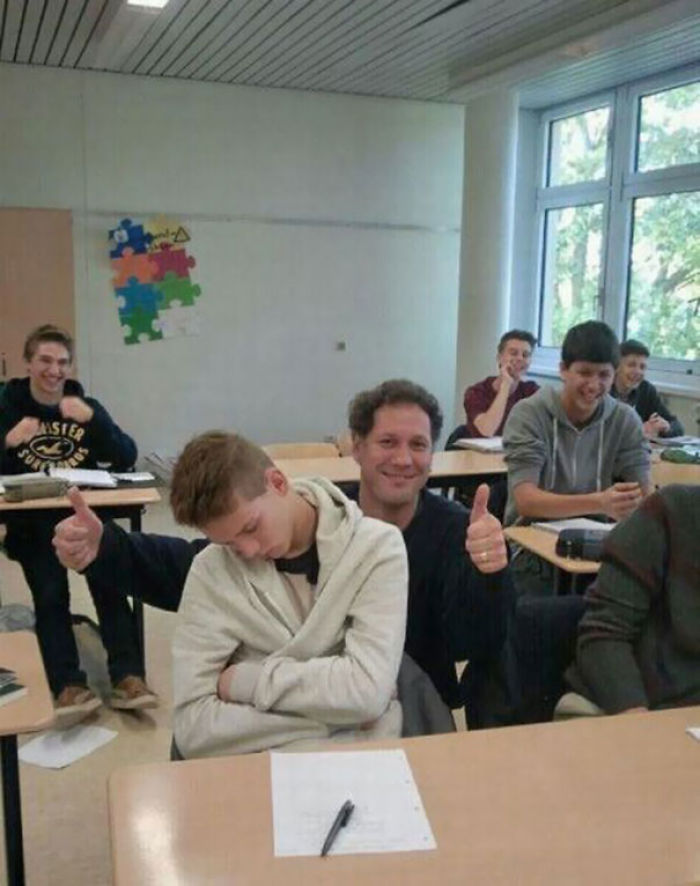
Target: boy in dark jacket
(46, 421)
(631, 387)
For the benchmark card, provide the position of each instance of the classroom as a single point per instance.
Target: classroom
(362, 189)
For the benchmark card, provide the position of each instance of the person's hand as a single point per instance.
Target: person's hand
(506, 376)
(224, 682)
(77, 409)
(22, 432)
(619, 500)
(485, 542)
(77, 539)
(655, 426)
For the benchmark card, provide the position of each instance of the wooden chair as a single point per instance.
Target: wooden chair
(301, 450)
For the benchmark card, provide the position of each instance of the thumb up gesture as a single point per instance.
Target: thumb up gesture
(77, 539)
(485, 542)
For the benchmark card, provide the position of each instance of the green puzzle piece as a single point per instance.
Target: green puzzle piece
(177, 289)
(140, 322)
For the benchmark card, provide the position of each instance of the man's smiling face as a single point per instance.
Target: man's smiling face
(395, 456)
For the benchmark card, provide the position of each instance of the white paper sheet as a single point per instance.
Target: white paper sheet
(84, 477)
(574, 523)
(694, 731)
(481, 444)
(309, 789)
(57, 748)
(135, 477)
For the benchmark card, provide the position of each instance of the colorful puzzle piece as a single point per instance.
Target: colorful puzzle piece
(128, 234)
(140, 267)
(166, 231)
(169, 259)
(142, 326)
(145, 296)
(178, 290)
(177, 321)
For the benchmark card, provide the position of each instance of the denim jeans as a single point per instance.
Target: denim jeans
(29, 543)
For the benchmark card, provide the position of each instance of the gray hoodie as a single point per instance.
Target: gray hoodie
(542, 446)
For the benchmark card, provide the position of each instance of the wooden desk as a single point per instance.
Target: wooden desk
(126, 501)
(543, 543)
(596, 800)
(663, 473)
(454, 468)
(19, 651)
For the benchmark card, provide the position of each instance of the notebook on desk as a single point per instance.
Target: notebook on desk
(481, 444)
(556, 526)
(84, 477)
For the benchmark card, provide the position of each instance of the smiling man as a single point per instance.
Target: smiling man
(46, 420)
(460, 591)
(488, 403)
(575, 451)
(632, 387)
(292, 621)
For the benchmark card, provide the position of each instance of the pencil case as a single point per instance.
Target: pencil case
(25, 488)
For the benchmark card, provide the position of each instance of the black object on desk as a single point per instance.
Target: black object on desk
(341, 819)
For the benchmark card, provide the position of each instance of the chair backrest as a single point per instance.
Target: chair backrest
(344, 442)
(302, 450)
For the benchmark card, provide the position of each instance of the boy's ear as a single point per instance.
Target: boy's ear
(276, 480)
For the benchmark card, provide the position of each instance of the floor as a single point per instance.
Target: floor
(66, 829)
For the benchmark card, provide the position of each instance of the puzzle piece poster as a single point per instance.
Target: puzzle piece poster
(155, 295)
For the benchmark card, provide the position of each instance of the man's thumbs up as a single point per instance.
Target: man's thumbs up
(480, 505)
(485, 542)
(77, 539)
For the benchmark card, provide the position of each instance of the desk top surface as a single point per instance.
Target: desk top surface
(663, 473)
(604, 799)
(124, 496)
(19, 651)
(544, 543)
(345, 469)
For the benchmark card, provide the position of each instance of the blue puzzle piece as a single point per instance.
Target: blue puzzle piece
(128, 234)
(144, 296)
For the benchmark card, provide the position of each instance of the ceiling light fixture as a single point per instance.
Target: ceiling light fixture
(147, 4)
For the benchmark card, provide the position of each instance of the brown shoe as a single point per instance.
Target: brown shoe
(73, 704)
(132, 694)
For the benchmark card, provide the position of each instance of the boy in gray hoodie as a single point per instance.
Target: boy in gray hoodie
(575, 451)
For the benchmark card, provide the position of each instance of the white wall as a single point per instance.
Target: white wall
(315, 219)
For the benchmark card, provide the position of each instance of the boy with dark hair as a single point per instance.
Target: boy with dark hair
(459, 592)
(488, 403)
(292, 621)
(567, 449)
(631, 387)
(46, 420)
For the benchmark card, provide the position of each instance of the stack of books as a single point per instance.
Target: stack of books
(10, 689)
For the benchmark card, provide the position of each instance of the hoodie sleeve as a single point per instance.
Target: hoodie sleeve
(204, 642)
(355, 686)
(110, 443)
(632, 459)
(10, 414)
(618, 606)
(152, 568)
(524, 445)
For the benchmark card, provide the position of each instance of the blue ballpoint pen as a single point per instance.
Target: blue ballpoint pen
(341, 819)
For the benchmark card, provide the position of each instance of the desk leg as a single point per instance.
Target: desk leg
(137, 605)
(12, 807)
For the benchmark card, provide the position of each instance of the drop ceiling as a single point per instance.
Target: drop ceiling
(436, 50)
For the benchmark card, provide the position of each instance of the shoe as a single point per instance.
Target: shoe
(132, 694)
(73, 704)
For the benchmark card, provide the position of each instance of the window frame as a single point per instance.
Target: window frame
(617, 192)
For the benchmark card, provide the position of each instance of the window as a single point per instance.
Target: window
(618, 218)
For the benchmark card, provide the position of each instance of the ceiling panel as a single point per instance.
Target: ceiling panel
(440, 50)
